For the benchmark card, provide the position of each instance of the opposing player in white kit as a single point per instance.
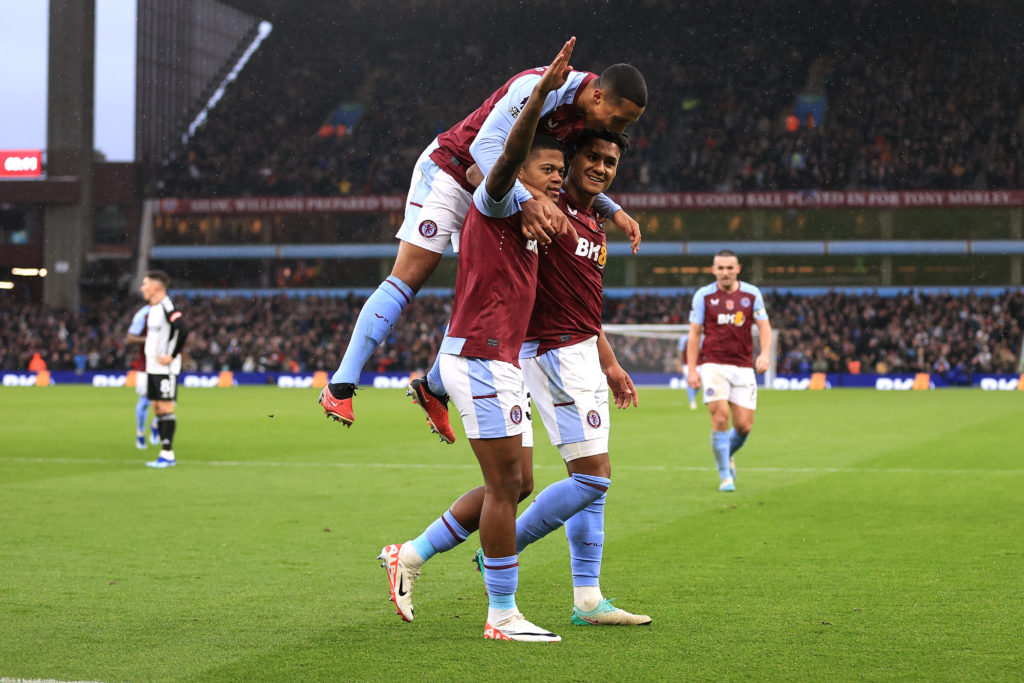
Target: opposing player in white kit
(137, 335)
(165, 339)
(723, 311)
(440, 195)
(494, 293)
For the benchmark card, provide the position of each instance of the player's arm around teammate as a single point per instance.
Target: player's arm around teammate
(610, 102)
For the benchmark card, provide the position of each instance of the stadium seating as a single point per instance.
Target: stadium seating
(954, 336)
(925, 99)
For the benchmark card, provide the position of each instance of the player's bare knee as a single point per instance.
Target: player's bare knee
(526, 489)
(594, 466)
(510, 486)
(414, 265)
(742, 420)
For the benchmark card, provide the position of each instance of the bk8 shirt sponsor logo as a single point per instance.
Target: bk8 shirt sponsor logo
(595, 251)
(736, 318)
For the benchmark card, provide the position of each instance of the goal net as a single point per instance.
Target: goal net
(655, 349)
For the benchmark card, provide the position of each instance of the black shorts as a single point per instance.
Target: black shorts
(161, 387)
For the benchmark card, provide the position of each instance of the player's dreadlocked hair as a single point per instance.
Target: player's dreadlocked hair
(624, 81)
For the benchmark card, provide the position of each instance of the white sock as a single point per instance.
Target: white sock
(409, 557)
(496, 616)
(586, 598)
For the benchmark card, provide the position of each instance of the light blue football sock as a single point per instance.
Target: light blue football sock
(557, 503)
(377, 317)
(720, 447)
(585, 531)
(141, 410)
(434, 382)
(501, 578)
(736, 440)
(443, 534)
(691, 393)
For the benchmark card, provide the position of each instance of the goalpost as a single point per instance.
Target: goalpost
(655, 348)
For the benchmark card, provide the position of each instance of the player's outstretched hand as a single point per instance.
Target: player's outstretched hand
(543, 221)
(623, 391)
(693, 379)
(624, 222)
(535, 222)
(557, 74)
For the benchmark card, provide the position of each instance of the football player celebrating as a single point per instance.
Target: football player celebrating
(569, 366)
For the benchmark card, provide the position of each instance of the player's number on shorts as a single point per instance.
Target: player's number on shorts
(165, 387)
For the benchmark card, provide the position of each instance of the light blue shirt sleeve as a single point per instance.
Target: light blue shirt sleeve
(605, 206)
(490, 140)
(496, 208)
(682, 342)
(697, 309)
(760, 312)
(139, 321)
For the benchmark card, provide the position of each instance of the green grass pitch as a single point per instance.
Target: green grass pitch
(874, 536)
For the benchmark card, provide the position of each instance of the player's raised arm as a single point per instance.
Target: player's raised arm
(502, 175)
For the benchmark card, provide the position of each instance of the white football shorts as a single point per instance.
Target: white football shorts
(729, 383)
(570, 392)
(489, 394)
(141, 383)
(435, 207)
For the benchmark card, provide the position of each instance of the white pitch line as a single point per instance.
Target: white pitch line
(40, 680)
(473, 466)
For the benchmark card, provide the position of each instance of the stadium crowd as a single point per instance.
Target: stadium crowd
(919, 95)
(953, 336)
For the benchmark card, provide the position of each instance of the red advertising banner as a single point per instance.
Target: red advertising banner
(21, 163)
(667, 201)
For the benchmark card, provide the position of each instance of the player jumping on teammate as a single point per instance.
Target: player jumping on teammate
(440, 195)
(569, 366)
